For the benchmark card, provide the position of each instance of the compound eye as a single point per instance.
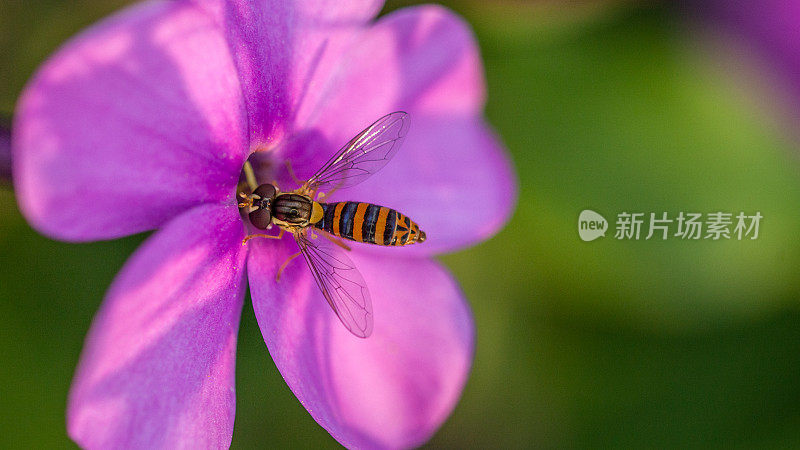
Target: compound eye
(265, 191)
(260, 218)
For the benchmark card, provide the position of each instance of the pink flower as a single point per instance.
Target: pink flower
(760, 38)
(5, 154)
(144, 122)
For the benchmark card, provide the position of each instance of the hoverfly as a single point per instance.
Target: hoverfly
(299, 211)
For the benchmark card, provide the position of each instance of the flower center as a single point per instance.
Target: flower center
(258, 169)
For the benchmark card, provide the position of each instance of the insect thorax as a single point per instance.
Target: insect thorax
(293, 209)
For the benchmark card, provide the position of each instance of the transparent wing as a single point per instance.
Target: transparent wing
(340, 282)
(364, 155)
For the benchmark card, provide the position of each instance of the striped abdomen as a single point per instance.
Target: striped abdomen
(373, 224)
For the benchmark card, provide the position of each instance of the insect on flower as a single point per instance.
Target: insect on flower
(298, 211)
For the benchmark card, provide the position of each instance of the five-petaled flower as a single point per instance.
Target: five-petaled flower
(144, 122)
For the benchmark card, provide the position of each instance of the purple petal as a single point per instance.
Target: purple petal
(130, 123)
(284, 50)
(423, 60)
(157, 370)
(5, 154)
(765, 33)
(393, 389)
(452, 175)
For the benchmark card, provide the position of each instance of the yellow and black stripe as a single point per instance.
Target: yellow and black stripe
(373, 224)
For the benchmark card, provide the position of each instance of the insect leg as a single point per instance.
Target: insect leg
(323, 195)
(283, 266)
(268, 236)
(291, 173)
(337, 241)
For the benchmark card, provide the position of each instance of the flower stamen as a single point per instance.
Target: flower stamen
(250, 176)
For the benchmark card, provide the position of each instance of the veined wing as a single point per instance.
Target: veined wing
(364, 155)
(340, 282)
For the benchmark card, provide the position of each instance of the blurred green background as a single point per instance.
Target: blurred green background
(611, 106)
